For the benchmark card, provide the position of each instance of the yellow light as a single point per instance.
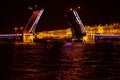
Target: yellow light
(30, 8)
(27, 37)
(100, 29)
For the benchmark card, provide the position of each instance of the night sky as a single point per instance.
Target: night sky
(92, 12)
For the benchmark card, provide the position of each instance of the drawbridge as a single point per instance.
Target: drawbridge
(33, 21)
(29, 30)
(77, 27)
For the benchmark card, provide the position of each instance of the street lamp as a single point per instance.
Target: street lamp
(16, 30)
(71, 9)
(30, 8)
(33, 8)
(77, 8)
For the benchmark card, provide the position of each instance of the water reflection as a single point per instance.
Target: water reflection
(70, 61)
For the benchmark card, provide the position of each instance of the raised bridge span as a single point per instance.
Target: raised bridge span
(29, 30)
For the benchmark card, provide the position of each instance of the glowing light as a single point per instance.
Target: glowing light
(30, 8)
(78, 7)
(100, 29)
(27, 37)
(56, 34)
(71, 9)
(36, 6)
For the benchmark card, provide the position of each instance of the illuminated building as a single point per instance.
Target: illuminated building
(113, 29)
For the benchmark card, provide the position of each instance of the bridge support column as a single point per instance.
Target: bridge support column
(28, 37)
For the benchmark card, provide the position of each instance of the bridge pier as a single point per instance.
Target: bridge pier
(28, 37)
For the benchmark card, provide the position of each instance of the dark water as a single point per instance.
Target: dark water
(70, 61)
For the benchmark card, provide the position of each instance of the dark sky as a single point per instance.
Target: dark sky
(92, 12)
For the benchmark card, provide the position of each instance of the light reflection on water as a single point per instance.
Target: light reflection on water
(70, 61)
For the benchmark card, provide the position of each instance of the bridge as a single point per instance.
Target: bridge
(28, 32)
(106, 38)
(11, 37)
(78, 29)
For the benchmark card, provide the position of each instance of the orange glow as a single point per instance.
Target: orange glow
(28, 37)
(71, 9)
(89, 38)
(56, 34)
(78, 7)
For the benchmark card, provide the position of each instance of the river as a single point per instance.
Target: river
(68, 61)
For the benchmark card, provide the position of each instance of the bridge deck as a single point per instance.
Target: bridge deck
(106, 37)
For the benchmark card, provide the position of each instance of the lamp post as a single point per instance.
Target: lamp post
(16, 30)
(77, 8)
(35, 7)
